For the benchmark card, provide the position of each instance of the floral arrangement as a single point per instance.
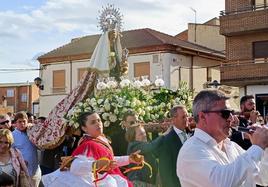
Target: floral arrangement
(150, 101)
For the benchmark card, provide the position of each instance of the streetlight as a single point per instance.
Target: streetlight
(214, 84)
(38, 83)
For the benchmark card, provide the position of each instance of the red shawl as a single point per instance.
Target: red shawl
(96, 148)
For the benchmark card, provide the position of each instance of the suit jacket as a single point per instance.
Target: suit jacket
(167, 154)
(237, 136)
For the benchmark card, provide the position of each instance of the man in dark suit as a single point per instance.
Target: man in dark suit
(168, 151)
(248, 116)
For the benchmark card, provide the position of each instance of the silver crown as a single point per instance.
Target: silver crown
(110, 18)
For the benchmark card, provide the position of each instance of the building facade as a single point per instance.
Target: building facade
(151, 53)
(20, 97)
(206, 34)
(244, 23)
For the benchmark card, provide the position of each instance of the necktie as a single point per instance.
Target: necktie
(184, 136)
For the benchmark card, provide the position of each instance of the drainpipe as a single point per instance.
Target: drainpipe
(28, 97)
(71, 74)
(180, 74)
(192, 73)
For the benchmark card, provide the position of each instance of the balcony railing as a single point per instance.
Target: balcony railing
(244, 9)
(246, 20)
(241, 73)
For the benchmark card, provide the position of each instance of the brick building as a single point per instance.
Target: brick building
(244, 23)
(20, 96)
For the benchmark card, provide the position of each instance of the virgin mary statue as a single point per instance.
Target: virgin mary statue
(108, 59)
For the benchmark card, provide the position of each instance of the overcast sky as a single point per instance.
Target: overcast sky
(29, 28)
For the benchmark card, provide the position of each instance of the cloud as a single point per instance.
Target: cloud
(55, 22)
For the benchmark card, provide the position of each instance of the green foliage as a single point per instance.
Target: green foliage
(149, 105)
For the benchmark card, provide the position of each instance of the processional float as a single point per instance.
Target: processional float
(108, 59)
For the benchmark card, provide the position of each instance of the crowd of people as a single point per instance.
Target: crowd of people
(214, 153)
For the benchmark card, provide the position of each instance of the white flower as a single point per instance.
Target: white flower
(127, 103)
(111, 84)
(145, 82)
(76, 125)
(177, 100)
(137, 84)
(159, 82)
(101, 110)
(101, 86)
(116, 111)
(87, 109)
(100, 101)
(124, 83)
(133, 104)
(77, 110)
(112, 118)
(105, 116)
(106, 124)
(70, 112)
(107, 106)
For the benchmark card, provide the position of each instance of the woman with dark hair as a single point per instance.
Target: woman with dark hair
(11, 160)
(137, 140)
(93, 161)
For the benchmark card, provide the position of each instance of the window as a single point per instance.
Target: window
(260, 3)
(80, 73)
(58, 81)
(10, 92)
(141, 69)
(260, 52)
(23, 97)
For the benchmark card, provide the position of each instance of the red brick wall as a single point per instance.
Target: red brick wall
(31, 91)
(240, 47)
(234, 5)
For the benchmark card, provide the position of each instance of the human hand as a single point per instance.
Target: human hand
(66, 162)
(105, 164)
(253, 116)
(136, 157)
(235, 121)
(260, 137)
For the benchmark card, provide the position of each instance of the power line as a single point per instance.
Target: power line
(7, 70)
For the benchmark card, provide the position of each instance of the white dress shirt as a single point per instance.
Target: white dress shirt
(201, 163)
(179, 132)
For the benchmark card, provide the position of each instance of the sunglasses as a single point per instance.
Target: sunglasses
(4, 122)
(225, 113)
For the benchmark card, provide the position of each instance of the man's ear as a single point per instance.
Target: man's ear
(201, 116)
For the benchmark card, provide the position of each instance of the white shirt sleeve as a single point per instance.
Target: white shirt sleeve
(261, 177)
(122, 160)
(199, 165)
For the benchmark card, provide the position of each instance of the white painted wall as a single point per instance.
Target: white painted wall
(167, 67)
(257, 89)
(76, 65)
(156, 69)
(47, 103)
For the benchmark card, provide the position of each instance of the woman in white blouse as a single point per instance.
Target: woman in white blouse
(11, 161)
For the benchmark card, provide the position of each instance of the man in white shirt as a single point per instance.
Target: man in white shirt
(210, 159)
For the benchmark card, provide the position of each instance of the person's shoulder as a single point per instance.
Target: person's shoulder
(15, 133)
(191, 145)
